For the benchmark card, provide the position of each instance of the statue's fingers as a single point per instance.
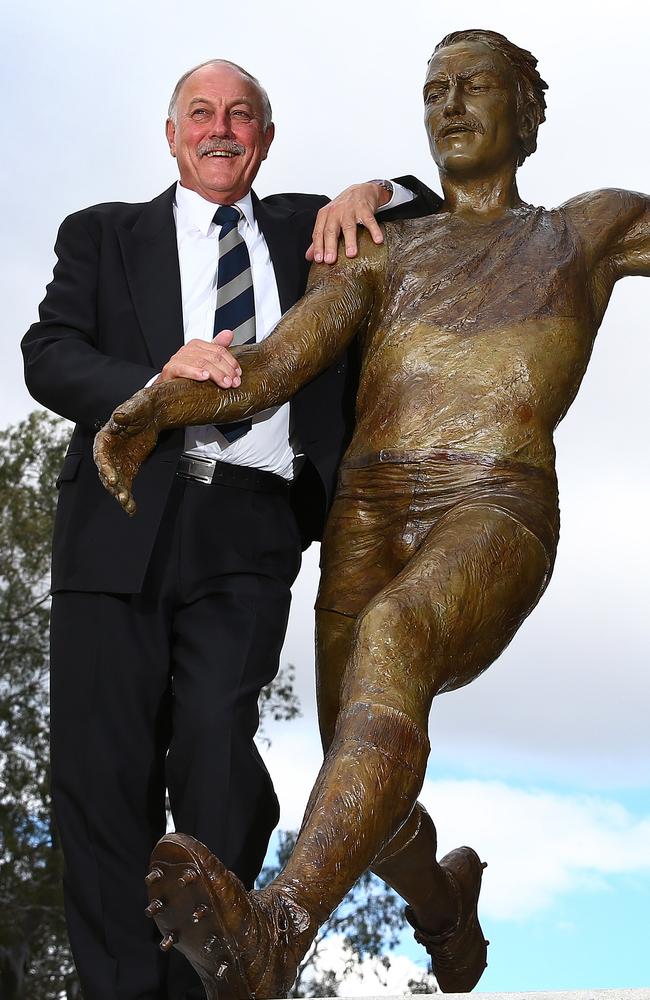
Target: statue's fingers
(126, 501)
(101, 454)
(132, 414)
(119, 419)
(124, 423)
(107, 471)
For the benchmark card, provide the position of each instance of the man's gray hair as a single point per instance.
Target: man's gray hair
(530, 86)
(267, 114)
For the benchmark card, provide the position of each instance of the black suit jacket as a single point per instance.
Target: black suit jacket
(111, 318)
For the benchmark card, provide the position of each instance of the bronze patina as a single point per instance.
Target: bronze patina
(476, 326)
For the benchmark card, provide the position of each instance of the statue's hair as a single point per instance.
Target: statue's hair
(264, 97)
(530, 86)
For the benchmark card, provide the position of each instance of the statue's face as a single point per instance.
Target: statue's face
(470, 110)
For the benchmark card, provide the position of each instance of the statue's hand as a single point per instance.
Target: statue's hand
(122, 445)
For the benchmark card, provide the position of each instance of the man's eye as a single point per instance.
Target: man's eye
(477, 88)
(434, 95)
(244, 116)
(199, 112)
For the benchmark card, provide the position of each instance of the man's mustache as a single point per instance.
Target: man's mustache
(220, 146)
(466, 124)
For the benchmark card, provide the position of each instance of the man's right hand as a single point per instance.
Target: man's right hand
(205, 359)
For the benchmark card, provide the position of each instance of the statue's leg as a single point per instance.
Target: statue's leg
(436, 626)
(250, 944)
(461, 598)
(413, 848)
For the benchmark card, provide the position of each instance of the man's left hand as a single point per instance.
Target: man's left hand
(355, 206)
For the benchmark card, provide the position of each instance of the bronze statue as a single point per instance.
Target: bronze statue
(476, 327)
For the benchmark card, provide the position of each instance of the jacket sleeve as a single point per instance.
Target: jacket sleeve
(426, 201)
(65, 369)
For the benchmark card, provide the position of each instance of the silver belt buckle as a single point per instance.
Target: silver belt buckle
(199, 469)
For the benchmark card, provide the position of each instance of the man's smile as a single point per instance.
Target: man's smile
(221, 149)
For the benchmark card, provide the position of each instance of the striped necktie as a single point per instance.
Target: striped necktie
(235, 299)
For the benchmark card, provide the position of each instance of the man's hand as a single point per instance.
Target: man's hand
(205, 359)
(355, 206)
(123, 443)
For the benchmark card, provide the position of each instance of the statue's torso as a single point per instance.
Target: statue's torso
(481, 339)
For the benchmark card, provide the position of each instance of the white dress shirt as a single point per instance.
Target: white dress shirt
(268, 444)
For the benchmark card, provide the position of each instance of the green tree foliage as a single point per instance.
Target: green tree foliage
(278, 701)
(368, 924)
(34, 955)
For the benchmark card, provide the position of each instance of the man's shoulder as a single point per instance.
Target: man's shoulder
(120, 212)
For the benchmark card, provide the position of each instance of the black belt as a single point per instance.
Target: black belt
(209, 471)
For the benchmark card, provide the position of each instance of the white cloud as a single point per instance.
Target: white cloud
(539, 845)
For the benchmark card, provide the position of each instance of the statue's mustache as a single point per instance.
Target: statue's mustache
(466, 124)
(220, 146)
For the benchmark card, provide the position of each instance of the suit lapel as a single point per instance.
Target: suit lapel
(277, 224)
(150, 256)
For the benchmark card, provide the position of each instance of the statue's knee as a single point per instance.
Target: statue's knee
(383, 623)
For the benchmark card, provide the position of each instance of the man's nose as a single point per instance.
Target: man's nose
(221, 124)
(454, 103)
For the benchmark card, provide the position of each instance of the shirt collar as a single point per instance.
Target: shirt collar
(195, 212)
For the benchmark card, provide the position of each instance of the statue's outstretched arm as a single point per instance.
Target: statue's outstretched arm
(632, 254)
(615, 229)
(307, 340)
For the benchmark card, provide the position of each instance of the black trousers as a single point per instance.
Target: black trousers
(158, 690)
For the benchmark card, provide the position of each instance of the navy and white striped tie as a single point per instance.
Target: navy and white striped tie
(235, 299)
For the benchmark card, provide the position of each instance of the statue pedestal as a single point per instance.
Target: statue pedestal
(642, 993)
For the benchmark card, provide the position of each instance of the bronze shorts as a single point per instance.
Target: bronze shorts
(387, 503)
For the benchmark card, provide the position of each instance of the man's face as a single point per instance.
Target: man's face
(470, 110)
(219, 137)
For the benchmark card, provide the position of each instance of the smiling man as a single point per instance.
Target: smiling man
(165, 628)
(477, 325)
(222, 134)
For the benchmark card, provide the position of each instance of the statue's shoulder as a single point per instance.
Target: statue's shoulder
(421, 224)
(601, 216)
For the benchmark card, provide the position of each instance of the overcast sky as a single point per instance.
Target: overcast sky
(543, 764)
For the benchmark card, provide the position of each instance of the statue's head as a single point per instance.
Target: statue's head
(483, 102)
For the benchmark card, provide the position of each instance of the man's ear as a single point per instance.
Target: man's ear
(268, 139)
(170, 132)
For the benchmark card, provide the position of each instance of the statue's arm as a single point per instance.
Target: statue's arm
(615, 227)
(630, 254)
(309, 337)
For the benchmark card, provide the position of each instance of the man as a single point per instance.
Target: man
(165, 629)
(478, 325)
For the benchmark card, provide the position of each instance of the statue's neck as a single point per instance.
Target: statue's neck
(480, 196)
